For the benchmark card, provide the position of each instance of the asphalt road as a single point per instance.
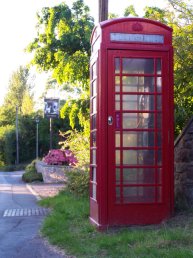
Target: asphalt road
(20, 221)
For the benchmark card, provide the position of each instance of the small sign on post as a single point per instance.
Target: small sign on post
(51, 108)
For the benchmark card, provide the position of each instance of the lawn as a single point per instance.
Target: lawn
(68, 227)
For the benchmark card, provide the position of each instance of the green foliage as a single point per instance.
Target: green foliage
(62, 44)
(79, 144)
(112, 16)
(78, 182)
(18, 95)
(31, 174)
(27, 138)
(10, 168)
(28, 103)
(7, 144)
(69, 228)
(31, 167)
(179, 16)
(130, 10)
(9, 148)
(77, 110)
(156, 13)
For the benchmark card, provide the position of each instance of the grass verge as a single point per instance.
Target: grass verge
(68, 228)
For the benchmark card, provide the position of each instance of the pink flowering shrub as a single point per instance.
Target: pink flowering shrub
(60, 157)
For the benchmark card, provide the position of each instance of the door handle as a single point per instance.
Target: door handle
(110, 120)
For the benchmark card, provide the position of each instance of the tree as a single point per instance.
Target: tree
(183, 46)
(62, 44)
(179, 16)
(28, 103)
(18, 95)
(130, 10)
(62, 47)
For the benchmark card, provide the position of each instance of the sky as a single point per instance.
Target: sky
(17, 30)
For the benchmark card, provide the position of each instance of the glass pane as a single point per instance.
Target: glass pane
(159, 66)
(130, 102)
(93, 88)
(93, 123)
(159, 102)
(117, 84)
(138, 194)
(94, 71)
(138, 102)
(117, 65)
(138, 139)
(138, 65)
(159, 120)
(138, 84)
(149, 84)
(130, 84)
(117, 139)
(93, 137)
(117, 102)
(138, 157)
(117, 154)
(93, 156)
(139, 176)
(94, 191)
(138, 120)
(159, 84)
(159, 139)
(94, 105)
(159, 176)
(159, 157)
(93, 174)
(118, 175)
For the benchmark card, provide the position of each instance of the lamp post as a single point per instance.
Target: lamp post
(17, 138)
(37, 140)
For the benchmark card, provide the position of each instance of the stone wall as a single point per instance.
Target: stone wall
(184, 167)
(52, 173)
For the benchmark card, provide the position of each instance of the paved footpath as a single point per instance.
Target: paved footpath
(21, 218)
(42, 190)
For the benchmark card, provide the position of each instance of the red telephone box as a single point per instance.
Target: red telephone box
(131, 168)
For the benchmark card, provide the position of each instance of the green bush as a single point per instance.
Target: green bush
(31, 174)
(79, 144)
(78, 182)
(31, 167)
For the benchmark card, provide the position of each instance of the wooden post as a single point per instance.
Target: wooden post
(103, 10)
(51, 133)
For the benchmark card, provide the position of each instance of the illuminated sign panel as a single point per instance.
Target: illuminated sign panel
(143, 38)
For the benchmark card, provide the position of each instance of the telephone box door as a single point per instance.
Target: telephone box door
(139, 181)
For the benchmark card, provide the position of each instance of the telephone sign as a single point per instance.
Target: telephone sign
(131, 146)
(136, 38)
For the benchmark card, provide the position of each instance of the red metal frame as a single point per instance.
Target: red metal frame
(154, 198)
